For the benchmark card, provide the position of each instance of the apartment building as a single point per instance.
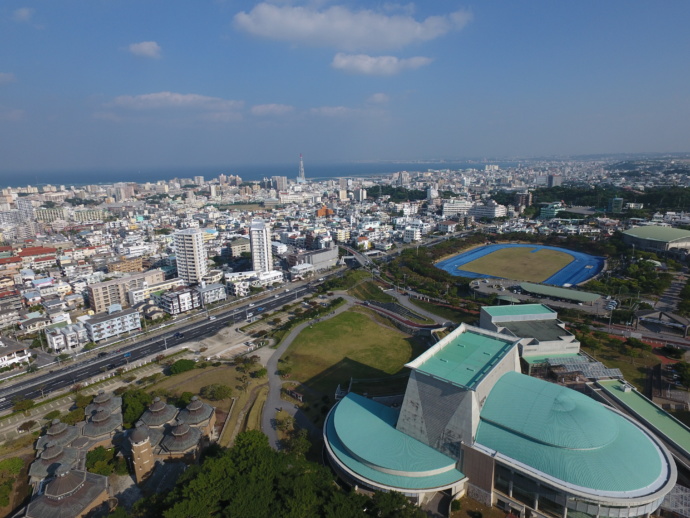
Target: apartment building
(102, 295)
(114, 322)
(260, 242)
(191, 255)
(179, 300)
(145, 292)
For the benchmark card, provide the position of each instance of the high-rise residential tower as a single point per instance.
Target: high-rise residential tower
(191, 255)
(260, 244)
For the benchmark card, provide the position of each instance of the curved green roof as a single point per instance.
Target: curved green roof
(658, 233)
(362, 435)
(568, 436)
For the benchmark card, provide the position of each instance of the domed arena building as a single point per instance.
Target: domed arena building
(472, 424)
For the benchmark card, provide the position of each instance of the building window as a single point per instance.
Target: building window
(502, 478)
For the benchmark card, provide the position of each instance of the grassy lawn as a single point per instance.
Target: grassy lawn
(348, 345)
(369, 290)
(253, 421)
(520, 263)
(450, 314)
(634, 369)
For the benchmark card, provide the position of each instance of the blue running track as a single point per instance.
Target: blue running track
(583, 268)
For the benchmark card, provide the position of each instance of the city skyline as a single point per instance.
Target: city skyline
(214, 84)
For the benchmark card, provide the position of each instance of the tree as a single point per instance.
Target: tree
(261, 373)
(134, 402)
(216, 392)
(298, 443)
(393, 505)
(184, 399)
(21, 404)
(181, 366)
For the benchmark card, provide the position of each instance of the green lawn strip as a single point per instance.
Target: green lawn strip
(446, 313)
(369, 290)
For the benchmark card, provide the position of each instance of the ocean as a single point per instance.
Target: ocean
(246, 172)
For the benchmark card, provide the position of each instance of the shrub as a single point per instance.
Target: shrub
(53, 414)
(26, 426)
(455, 505)
(73, 417)
(181, 366)
(216, 392)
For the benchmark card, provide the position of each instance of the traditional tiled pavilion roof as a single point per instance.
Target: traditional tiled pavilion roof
(104, 401)
(68, 495)
(196, 412)
(50, 459)
(158, 414)
(102, 423)
(59, 433)
(182, 438)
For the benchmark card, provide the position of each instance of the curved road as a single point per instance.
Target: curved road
(275, 383)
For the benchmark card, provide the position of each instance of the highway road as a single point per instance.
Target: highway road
(73, 373)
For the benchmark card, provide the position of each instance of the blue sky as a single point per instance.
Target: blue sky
(152, 83)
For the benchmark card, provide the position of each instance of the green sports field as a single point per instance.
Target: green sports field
(522, 264)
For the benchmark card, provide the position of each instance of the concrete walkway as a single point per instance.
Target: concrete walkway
(275, 382)
(404, 300)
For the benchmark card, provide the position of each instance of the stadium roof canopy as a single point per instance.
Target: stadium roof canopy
(361, 433)
(559, 293)
(658, 233)
(569, 436)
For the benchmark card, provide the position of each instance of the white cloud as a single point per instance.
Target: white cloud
(378, 98)
(175, 100)
(333, 111)
(271, 109)
(339, 27)
(7, 77)
(376, 65)
(147, 49)
(23, 14)
(170, 104)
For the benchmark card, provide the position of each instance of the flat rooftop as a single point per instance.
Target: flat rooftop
(541, 330)
(651, 415)
(463, 357)
(518, 310)
(559, 293)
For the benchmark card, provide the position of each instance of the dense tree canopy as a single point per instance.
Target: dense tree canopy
(251, 480)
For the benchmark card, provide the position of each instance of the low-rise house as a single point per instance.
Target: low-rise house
(13, 352)
(69, 338)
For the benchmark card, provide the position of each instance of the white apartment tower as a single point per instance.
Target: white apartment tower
(260, 244)
(191, 255)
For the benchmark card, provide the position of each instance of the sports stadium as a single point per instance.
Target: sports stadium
(533, 263)
(655, 238)
(471, 424)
